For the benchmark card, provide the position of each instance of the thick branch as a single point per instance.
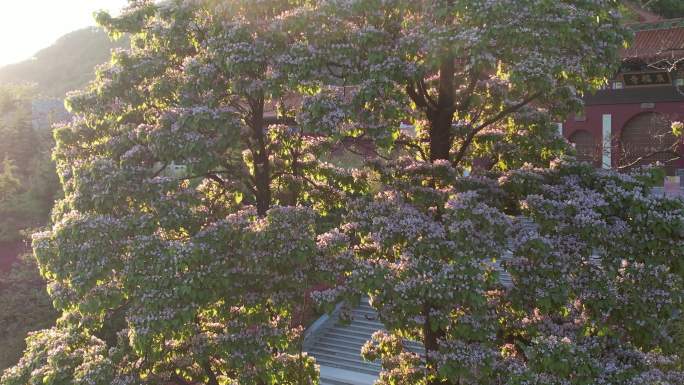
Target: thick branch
(447, 91)
(286, 120)
(508, 110)
(410, 144)
(502, 114)
(216, 179)
(210, 373)
(422, 88)
(416, 97)
(161, 170)
(262, 169)
(179, 380)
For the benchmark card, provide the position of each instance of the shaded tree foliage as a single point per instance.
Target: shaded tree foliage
(28, 182)
(667, 8)
(26, 307)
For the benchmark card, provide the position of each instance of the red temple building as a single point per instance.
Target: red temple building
(628, 124)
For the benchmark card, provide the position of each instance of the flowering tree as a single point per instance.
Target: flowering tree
(177, 255)
(479, 79)
(588, 292)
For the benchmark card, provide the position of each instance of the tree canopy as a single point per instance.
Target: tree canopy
(479, 79)
(594, 285)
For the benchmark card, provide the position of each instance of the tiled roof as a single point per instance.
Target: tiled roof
(658, 40)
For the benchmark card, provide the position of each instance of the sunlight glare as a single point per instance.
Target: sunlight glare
(27, 26)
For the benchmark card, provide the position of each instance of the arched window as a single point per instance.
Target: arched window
(646, 139)
(585, 145)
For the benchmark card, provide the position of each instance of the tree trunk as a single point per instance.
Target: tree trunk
(431, 343)
(262, 167)
(441, 119)
(440, 135)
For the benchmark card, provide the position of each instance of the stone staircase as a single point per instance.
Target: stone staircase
(336, 345)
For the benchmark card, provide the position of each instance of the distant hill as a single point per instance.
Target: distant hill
(64, 66)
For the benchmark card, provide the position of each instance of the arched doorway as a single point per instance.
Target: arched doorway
(647, 138)
(586, 147)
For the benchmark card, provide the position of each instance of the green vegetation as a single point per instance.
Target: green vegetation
(26, 307)
(28, 182)
(66, 65)
(666, 8)
(28, 187)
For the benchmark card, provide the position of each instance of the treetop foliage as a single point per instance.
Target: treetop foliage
(474, 77)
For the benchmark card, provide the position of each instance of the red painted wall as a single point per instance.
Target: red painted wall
(621, 115)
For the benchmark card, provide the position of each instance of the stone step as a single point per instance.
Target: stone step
(328, 381)
(360, 328)
(337, 334)
(368, 314)
(363, 321)
(362, 333)
(325, 349)
(342, 344)
(354, 368)
(357, 362)
(337, 376)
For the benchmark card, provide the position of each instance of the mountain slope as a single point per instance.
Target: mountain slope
(66, 65)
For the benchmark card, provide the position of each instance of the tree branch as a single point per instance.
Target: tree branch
(218, 180)
(634, 163)
(286, 120)
(210, 373)
(179, 380)
(156, 174)
(466, 99)
(410, 144)
(422, 88)
(672, 149)
(505, 112)
(416, 97)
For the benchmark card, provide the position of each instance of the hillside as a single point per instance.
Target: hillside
(66, 65)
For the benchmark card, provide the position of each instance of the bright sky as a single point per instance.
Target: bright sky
(26, 26)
